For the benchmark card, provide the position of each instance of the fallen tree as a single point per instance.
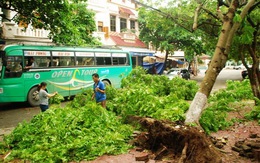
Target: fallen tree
(176, 141)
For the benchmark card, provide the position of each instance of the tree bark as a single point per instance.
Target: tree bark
(253, 73)
(165, 60)
(218, 61)
(196, 15)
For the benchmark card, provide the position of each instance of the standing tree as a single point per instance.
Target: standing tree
(229, 20)
(247, 39)
(228, 31)
(159, 29)
(69, 21)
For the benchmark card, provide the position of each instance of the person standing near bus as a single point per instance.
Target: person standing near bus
(44, 96)
(99, 90)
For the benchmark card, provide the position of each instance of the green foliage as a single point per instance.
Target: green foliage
(81, 99)
(69, 22)
(78, 133)
(254, 114)
(56, 99)
(154, 96)
(237, 18)
(111, 92)
(215, 115)
(236, 91)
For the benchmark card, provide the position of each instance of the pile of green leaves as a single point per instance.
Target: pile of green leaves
(56, 99)
(82, 132)
(215, 115)
(153, 96)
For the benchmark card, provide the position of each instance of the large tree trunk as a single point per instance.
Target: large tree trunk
(253, 72)
(218, 61)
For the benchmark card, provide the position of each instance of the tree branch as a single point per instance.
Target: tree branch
(236, 25)
(253, 7)
(254, 44)
(250, 21)
(242, 54)
(243, 4)
(220, 15)
(165, 14)
(210, 13)
(196, 15)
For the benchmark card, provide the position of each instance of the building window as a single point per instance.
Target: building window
(112, 23)
(132, 24)
(100, 26)
(123, 24)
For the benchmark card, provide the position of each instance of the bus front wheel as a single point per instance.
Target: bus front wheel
(106, 82)
(33, 97)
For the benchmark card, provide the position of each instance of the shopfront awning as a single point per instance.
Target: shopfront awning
(126, 11)
(176, 60)
(138, 51)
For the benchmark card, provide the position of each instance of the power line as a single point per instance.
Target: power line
(164, 14)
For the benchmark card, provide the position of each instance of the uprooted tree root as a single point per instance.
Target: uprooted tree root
(180, 142)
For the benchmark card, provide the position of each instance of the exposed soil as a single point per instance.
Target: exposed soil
(166, 142)
(178, 142)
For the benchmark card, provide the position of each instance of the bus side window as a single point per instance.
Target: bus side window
(85, 61)
(103, 60)
(120, 59)
(71, 61)
(89, 61)
(55, 61)
(43, 61)
(30, 62)
(64, 61)
(13, 68)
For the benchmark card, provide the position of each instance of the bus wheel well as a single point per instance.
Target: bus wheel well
(106, 82)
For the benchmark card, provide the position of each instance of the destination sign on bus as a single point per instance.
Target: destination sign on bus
(57, 53)
(37, 53)
(103, 54)
(84, 54)
(123, 55)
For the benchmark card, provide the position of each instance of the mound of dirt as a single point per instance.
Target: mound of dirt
(168, 140)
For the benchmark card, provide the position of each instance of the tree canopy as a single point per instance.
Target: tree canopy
(235, 26)
(169, 28)
(69, 22)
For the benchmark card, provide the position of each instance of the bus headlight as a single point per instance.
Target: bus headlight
(1, 90)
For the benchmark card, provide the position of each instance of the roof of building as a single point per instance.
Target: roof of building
(121, 42)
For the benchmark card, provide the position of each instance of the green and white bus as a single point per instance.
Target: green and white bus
(67, 70)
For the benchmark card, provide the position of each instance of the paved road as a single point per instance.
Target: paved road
(14, 113)
(226, 74)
